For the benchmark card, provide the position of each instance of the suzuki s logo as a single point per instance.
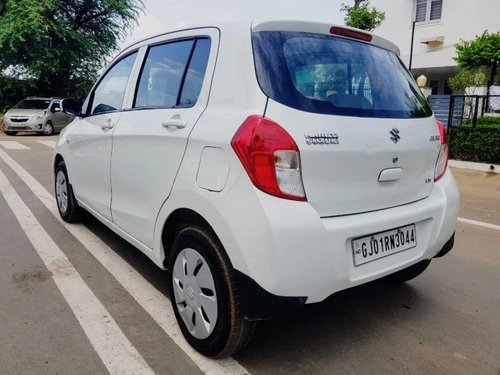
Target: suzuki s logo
(395, 135)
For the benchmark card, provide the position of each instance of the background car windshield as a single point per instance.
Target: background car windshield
(332, 75)
(32, 104)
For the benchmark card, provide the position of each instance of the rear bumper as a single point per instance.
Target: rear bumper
(256, 303)
(289, 251)
(448, 246)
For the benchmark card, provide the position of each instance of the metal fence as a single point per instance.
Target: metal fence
(466, 109)
(472, 125)
(473, 131)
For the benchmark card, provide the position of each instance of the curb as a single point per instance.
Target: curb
(483, 167)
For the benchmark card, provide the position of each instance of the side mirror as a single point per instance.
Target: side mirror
(56, 109)
(71, 106)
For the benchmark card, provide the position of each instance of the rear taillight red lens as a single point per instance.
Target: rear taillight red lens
(270, 156)
(442, 161)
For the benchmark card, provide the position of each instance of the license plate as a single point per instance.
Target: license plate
(382, 244)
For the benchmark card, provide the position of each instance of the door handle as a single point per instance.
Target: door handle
(108, 125)
(174, 124)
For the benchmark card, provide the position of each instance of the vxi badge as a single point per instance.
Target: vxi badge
(395, 135)
(322, 139)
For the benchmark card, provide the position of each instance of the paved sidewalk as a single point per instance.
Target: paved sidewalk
(483, 167)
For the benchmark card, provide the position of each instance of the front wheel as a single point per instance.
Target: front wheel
(66, 202)
(204, 295)
(48, 129)
(11, 133)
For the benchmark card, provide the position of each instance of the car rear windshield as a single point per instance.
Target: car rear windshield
(32, 104)
(333, 75)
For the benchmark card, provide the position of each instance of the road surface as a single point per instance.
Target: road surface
(77, 299)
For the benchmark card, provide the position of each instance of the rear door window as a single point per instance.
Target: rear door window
(173, 74)
(196, 73)
(333, 75)
(162, 75)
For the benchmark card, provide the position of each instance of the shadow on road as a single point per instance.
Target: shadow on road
(337, 327)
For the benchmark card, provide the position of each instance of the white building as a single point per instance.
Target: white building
(440, 24)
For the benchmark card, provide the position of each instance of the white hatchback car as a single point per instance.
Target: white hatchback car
(265, 165)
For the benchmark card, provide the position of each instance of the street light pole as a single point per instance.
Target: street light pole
(412, 41)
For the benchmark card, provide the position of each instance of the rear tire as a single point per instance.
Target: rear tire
(196, 258)
(408, 273)
(66, 202)
(10, 133)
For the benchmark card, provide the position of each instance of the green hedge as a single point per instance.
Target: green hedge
(479, 145)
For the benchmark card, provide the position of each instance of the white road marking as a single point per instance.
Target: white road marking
(479, 223)
(50, 144)
(156, 304)
(115, 350)
(13, 145)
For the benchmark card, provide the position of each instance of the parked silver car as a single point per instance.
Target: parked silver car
(33, 114)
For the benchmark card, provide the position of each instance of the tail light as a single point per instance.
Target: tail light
(270, 157)
(442, 160)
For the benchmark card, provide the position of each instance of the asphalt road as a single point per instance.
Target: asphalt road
(77, 299)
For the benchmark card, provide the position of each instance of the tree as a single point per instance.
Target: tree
(13, 90)
(62, 44)
(361, 16)
(482, 52)
(467, 78)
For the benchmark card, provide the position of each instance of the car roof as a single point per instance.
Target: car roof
(266, 25)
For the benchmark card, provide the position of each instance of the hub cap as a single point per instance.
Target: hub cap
(194, 293)
(47, 129)
(62, 191)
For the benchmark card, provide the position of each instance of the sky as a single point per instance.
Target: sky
(163, 15)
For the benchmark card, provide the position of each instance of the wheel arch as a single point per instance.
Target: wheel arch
(255, 302)
(57, 159)
(176, 221)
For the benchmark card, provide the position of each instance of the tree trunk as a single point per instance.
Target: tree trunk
(60, 84)
(59, 80)
(54, 84)
(357, 3)
(493, 73)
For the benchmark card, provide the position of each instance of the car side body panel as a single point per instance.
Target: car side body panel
(147, 153)
(233, 103)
